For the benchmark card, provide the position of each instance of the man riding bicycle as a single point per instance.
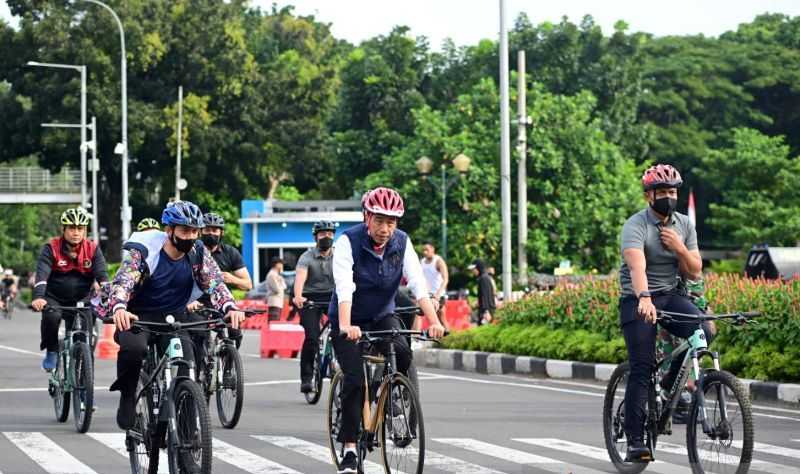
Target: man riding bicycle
(157, 276)
(659, 246)
(8, 286)
(369, 262)
(67, 268)
(313, 282)
(234, 274)
(146, 224)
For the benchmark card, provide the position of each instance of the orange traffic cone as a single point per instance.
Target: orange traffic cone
(106, 347)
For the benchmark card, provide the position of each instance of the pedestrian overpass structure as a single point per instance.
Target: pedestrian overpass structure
(34, 185)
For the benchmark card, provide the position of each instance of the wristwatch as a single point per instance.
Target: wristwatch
(645, 294)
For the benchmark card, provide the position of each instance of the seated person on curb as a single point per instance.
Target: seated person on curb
(67, 268)
(158, 274)
(368, 264)
(234, 274)
(658, 246)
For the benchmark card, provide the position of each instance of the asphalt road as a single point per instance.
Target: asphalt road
(474, 423)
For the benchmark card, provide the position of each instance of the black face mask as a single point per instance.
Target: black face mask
(665, 206)
(211, 240)
(183, 245)
(325, 243)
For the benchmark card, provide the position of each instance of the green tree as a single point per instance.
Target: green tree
(759, 188)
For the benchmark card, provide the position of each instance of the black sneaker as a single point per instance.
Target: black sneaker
(306, 387)
(681, 414)
(638, 452)
(349, 464)
(126, 412)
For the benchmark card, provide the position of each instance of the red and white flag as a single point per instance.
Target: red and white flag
(692, 215)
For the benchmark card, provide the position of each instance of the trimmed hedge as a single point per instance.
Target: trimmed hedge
(581, 322)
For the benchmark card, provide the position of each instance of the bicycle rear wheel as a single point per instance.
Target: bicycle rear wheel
(230, 386)
(190, 442)
(729, 448)
(139, 440)
(402, 431)
(614, 421)
(61, 398)
(83, 391)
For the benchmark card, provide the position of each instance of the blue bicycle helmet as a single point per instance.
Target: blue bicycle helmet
(183, 213)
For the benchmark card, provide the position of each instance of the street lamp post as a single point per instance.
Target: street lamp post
(122, 148)
(83, 126)
(461, 165)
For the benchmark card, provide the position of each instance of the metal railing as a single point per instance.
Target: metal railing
(31, 179)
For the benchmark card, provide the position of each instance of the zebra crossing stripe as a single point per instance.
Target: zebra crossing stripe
(722, 458)
(247, 461)
(772, 449)
(313, 451)
(116, 441)
(598, 453)
(515, 456)
(47, 454)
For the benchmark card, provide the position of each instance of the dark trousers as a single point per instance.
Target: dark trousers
(51, 321)
(309, 319)
(640, 338)
(348, 353)
(132, 351)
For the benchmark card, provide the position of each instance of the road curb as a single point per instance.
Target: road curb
(495, 363)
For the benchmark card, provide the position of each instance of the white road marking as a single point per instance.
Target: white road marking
(116, 441)
(47, 454)
(772, 449)
(313, 451)
(247, 461)
(21, 351)
(731, 459)
(597, 453)
(515, 456)
(512, 384)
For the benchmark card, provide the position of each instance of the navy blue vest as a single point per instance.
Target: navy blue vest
(377, 277)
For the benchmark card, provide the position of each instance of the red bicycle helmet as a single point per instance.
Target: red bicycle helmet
(661, 176)
(384, 201)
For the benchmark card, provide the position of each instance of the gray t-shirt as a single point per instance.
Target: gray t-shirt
(641, 231)
(320, 271)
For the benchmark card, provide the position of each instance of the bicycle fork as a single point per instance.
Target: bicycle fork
(700, 400)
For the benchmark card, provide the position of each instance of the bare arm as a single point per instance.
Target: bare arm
(637, 264)
(239, 278)
(442, 267)
(690, 263)
(300, 281)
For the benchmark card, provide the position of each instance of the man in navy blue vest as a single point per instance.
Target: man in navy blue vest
(368, 264)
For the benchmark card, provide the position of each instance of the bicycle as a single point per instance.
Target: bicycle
(170, 408)
(730, 416)
(222, 372)
(325, 362)
(392, 414)
(8, 303)
(72, 381)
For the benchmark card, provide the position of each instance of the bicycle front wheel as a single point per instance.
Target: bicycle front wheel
(83, 391)
(140, 440)
(335, 417)
(190, 441)
(614, 421)
(313, 396)
(402, 431)
(728, 448)
(230, 386)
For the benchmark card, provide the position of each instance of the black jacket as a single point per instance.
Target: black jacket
(70, 287)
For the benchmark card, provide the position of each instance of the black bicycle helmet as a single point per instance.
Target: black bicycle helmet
(212, 219)
(320, 226)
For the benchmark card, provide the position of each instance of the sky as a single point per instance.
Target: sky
(468, 21)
